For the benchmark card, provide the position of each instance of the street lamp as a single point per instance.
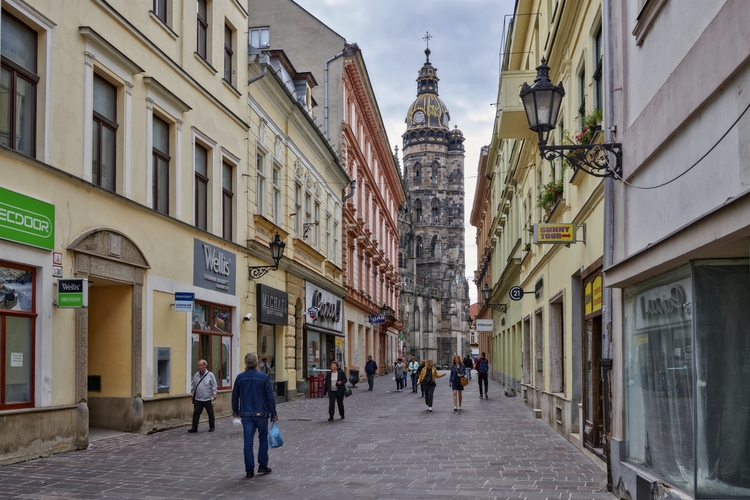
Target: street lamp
(277, 251)
(542, 101)
(487, 294)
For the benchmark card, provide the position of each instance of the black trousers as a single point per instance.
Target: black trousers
(429, 390)
(338, 398)
(399, 382)
(198, 409)
(482, 377)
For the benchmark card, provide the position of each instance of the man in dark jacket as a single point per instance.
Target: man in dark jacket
(370, 368)
(254, 402)
(469, 364)
(483, 369)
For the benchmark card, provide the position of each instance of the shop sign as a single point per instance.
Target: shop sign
(593, 295)
(73, 293)
(328, 308)
(272, 305)
(554, 233)
(664, 305)
(213, 268)
(485, 325)
(26, 220)
(376, 318)
(183, 301)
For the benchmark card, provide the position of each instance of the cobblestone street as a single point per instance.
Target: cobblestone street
(387, 447)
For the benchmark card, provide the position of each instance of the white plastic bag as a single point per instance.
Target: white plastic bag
(236, 421)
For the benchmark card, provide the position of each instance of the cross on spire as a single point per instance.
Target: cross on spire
(427, 39)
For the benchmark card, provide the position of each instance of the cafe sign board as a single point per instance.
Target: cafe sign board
(73, 293)
(26, 220)
(554, 233)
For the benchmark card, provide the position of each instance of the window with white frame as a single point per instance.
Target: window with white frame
(316, 227)
(298, 209)
(260, 183)
(227, 196)
(104, 143)
(260, 37)
(229, 54)
(162, 9)
(276, 180)
(308, 210)
(334, 250)
(328, 235)
(18, 85)
(160, 165)
(201, 187)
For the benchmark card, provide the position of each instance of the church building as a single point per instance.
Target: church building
(434, 300)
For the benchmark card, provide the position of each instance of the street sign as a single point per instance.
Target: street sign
(376, 318)
(73, 293)
(555, 233)
(183, 301)
(516, 293)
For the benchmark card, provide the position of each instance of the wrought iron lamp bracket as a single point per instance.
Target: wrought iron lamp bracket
(257, 272)
(593, 159)
(499, 307)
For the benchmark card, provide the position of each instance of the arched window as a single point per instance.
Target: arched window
(433, 246)
(435, 210)
(420, 248)
(418, 174)
(434, 173)
(418, 210)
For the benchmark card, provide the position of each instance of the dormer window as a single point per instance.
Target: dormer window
(260, 38)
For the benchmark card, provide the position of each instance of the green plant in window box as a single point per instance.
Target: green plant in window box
(549, 195)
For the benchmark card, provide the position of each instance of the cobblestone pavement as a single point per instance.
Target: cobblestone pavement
(387, 447)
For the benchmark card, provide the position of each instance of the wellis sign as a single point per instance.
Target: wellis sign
(26, 220)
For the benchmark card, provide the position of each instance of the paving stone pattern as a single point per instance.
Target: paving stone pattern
(387, 447)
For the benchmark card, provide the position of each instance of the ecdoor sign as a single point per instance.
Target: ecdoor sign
(26, 220)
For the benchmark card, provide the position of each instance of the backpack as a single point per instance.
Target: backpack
(484, 366)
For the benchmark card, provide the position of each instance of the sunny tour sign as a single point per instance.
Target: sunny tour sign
(72, 293)
(554, 233)
(26, 220)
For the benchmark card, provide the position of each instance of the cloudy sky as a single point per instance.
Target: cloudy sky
(465, 46)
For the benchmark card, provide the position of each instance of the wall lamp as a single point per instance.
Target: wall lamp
(487, 294)
(541, 101)
(277, 251)
(306, 228)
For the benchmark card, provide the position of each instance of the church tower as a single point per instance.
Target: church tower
(434, 300)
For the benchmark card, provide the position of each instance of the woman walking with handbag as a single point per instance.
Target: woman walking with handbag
(335, 387)
(399, 375)
(458, 372)
(427, 377)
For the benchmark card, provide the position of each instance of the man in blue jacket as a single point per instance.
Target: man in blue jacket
(370, 368)
(254, 402)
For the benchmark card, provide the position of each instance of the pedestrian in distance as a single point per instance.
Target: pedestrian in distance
(458, 371)
(399, 375)
(335, 387)
(427, 377)
(370, 368)
(483, 369)
(203, 388)
(253, 402)
(413, 369)
(469, 364)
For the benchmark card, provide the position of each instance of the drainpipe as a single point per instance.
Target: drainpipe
(608, 257)
(353, 185)
(265, 60)
(325, 89)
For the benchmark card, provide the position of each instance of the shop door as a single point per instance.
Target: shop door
(593, 429)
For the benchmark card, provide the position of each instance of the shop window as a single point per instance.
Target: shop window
(267, 351)
(17, 318)
(212, 341)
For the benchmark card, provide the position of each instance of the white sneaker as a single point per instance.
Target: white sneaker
(429, 408)
(459, 408)
(455, 408)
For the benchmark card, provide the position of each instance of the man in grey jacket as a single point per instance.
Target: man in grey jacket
(204, 393)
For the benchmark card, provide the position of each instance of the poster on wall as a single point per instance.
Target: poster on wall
(16, 289)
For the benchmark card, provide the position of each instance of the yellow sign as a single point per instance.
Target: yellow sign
(589, 299)
(554, 233)
(597, 294)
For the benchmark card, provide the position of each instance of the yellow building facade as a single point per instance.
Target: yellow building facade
(546, 343)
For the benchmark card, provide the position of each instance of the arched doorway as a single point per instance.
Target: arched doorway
(109, 332)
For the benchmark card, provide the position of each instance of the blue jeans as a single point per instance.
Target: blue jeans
(250, 424)
(414, 382)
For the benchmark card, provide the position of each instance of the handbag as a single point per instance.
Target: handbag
(274, 436)
(348, 391)
(464, 381)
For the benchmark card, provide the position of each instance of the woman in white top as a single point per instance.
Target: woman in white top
(334, 387)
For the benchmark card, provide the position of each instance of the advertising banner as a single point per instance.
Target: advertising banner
(272, 306)
(485, 325)
(327, 309)
(213, 268)
(72, 293)
(26, 220)
(554, 233)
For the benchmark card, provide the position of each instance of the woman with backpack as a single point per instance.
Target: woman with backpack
(458, 371)
(427, 377)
